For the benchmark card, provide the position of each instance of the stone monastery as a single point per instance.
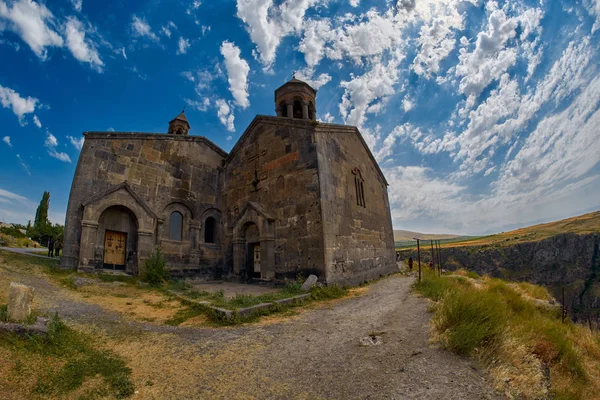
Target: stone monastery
(293, 196)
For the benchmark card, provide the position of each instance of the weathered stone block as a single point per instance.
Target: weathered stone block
(20, 299)
(309, 282)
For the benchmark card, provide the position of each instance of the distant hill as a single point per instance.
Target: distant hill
(405, 236)
(582, 224)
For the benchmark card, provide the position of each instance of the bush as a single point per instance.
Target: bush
(155, 273)
(433, 287)
(467, 319)
(3, 313)
(327, 292)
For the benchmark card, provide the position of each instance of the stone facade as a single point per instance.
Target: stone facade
(292, 197)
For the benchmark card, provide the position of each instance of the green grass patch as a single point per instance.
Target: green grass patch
(3, 313)
(499, 323)
(71, 359)
(183, 315)
(218, 299)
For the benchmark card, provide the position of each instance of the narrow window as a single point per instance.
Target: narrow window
(209, 230)
(297, 109)
(359, 188)
(280, 183)
(283, 109)
(175, 226)
(288, 148)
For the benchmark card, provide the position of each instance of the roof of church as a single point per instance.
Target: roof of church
(294, 80)
(181, 117)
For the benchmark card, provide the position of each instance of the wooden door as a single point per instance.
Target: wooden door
(256, 258)
(114, 248)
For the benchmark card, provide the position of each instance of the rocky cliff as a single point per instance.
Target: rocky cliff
(568, 260)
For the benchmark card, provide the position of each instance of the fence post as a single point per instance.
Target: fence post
(563, 304)
(419, 257)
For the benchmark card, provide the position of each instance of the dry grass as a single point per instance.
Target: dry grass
(516, 332)
(582, 224)
(133, 303)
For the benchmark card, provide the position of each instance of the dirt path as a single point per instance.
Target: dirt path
(316, 355)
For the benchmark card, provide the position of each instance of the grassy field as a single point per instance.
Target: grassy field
(582, 224)
(515, 332)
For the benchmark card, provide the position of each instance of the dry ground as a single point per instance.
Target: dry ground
(314, 354)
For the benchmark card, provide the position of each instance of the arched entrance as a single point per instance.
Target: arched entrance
(254, 243)
(252, 238)
(117, 237)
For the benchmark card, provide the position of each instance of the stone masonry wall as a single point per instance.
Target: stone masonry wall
(170, 173)
(281, 153)
(359, 243)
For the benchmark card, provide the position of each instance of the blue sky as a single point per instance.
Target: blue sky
(484, 115)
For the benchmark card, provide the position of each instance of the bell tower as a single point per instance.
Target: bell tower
(296, 99)
(179, 125)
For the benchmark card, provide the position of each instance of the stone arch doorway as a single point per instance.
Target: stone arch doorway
(117, 238)
(251, 236)
(253, 243)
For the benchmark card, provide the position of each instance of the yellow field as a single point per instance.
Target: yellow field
(582, 224)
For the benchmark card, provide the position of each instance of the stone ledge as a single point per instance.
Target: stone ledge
(242, 312)
(39, 328)
(291, 300)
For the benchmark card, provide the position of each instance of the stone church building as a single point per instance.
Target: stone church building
(293, 196)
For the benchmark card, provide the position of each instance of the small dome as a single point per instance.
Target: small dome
(179, 125)
(296, 99)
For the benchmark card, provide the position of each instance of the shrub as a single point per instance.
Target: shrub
(327, 292)
(433, 287)
(467, 319)
(155, 272)
(3, 313)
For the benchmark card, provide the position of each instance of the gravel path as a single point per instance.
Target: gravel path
(321, 351)
(317, 355)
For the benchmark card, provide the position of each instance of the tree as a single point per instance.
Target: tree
(41, 214)
(42, 229)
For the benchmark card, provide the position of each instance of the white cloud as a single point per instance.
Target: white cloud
(307, 75)
(166, 30)
(123, 53)
(141, 28)
(77, 5)
(24, 165)
(11, 196)
(429, 197)
(51, 143)
(490, 59)
(436, 39)
(195, 4)
(78, 143)
(237, 73)
(183, 45)
(354, 3)
(327, 118)
(33, 22)
(407, 104)
(225, 114)
(37, 121)
(20, 106)
(199, 105)
(368, 92)
(6, 139)
(268, 23)
(82, 48)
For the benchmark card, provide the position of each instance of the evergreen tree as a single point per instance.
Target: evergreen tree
(41, 215)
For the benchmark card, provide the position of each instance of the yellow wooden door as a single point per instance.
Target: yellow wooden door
(114, 248)
(256, 258)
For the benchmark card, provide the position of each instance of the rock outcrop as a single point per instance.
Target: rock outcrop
(568, 260)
